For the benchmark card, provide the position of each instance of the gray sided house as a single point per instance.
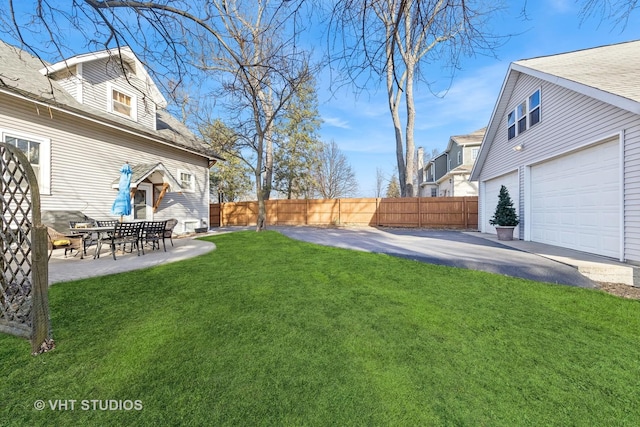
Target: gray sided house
(447, 174)
(564, 138)
(81, 119)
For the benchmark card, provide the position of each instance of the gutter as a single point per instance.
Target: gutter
(101, 121)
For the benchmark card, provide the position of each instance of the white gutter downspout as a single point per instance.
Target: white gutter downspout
(621, 146)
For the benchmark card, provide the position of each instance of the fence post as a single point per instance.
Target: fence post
(466, 214)
(419, 212)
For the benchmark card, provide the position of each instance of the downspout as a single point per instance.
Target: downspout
(621, 146)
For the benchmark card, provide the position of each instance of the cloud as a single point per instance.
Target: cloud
(336, 122)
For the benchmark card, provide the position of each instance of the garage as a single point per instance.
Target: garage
(491, 191)
(575, 200)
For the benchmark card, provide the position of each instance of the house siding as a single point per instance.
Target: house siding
(453, 156)
(441, 167)
(97, 74)
(86, 152)
(591, 121)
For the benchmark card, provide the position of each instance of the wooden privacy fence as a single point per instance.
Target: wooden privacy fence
(428, 212)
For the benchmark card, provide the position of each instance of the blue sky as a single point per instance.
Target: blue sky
(361, 126)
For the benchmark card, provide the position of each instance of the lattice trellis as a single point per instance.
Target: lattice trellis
(24, 309)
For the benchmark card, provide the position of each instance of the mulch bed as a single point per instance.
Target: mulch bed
(623, 291)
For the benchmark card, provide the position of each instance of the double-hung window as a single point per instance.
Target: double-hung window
(121, 102)
(534, 108)
(525, 115)
(187, 181)
(38, 152)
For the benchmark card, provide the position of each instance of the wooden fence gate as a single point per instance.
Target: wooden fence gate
(24, 307)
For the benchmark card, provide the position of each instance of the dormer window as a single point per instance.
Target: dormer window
(122, 102)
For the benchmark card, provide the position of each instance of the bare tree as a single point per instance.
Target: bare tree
(380, 180)
(255, 94)
(617, 11)
(393, 38)
(334, 177)
(249, 45)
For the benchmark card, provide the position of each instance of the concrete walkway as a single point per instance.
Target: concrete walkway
(595, 267)
(63, 269)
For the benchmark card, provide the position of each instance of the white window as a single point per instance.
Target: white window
(38, 151)
(474, 153)
(459, 157)
(511, 124)
(190, 226)
(534, 108)
(525, 115)
(121, 102)
(187, 181)
(434, 192)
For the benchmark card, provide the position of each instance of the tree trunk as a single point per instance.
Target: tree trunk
(411, 117)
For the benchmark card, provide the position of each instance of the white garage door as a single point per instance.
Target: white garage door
(575, 200)
(491, 192)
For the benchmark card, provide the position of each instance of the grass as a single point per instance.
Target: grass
(270, 331)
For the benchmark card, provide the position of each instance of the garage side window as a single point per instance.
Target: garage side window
(525, 115)
(37, 151)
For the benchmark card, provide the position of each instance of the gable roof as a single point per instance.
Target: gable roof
(472, 138)
(20, 76)
(607, 73)
(127, 56)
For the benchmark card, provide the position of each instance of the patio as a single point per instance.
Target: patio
(63, 269)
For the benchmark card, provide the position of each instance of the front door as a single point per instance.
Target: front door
(143, 203)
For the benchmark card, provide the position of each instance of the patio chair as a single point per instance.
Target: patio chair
(69, 242)
(88, 239)
(153, 231)
(123, 233)
(168, 229)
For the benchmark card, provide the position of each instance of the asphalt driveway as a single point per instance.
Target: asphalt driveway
(451, 248)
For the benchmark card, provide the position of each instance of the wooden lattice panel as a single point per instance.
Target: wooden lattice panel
(23, 282)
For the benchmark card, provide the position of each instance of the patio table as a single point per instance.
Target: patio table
(102, 232)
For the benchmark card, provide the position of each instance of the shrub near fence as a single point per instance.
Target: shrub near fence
(427, 212)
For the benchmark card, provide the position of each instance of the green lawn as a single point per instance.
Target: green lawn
(270, 331)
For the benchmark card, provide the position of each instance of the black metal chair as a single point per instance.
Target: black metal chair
(123, 233)
(107, 223)
(153, 231)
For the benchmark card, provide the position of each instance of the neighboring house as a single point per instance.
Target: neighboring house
(447, 174)
(81, 119)
(564, 138)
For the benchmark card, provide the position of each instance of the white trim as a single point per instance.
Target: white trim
(527, 203)
(134, 101)
(609, 98)
(621, 146)
(44, 177)
(79, 85)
